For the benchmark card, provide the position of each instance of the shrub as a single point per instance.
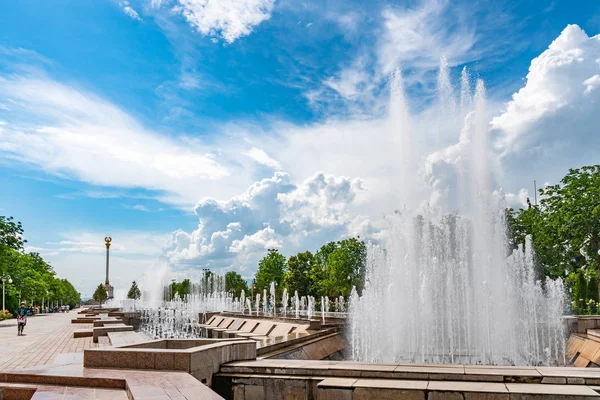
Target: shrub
(5, 315)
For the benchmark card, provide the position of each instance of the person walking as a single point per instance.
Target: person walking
(21, 318)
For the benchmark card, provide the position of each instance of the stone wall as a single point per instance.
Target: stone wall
(201, 361)
(318, 349)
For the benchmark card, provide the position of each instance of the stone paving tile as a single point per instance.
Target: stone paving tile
(46, 336)
(143, 385)
(481, 387)
(337, 382)
(71, 392)
(570, 372)
(565, 390)
(501, 371)
(390, 384)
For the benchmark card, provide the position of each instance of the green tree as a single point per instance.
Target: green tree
(11, 233)
(297, 276)
(271, 269)
(565, 231)
(346, 267)
(100, 294)
(71, 296)
(33, 279)
(319, 283)
(134, 292)
(234, 283)
(572, 215)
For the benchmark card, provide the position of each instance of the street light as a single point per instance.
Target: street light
(4, 278)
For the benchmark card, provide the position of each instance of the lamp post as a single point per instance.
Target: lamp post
(4, 279)
(107, 286)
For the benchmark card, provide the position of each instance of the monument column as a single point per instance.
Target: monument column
(109, 288)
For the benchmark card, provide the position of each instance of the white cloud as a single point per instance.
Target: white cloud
(80, 257)
(591, 84)
(412, 37)
(550, 124)
(371, 165)
(518, 200)
(129, 11)
(319, 202)
(351, 83)
(69, 132)
(418, 37)
(225, 19)
(263, 158)
(258, 242)
(131, 243)
(271, 213)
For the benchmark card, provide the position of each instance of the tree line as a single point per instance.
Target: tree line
(332, 271)
(27, 276)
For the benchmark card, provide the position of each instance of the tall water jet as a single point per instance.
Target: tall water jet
(446, 288)
(465, 92)
(445, 90)
(273, 300)
(249, 304)
(284, 302)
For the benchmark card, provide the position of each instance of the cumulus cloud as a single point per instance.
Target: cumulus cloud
(518, 200)
(319, 202)
(550, 123)
(225, 19)
(271, 213)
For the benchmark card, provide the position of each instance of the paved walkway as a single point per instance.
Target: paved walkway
(46, 337)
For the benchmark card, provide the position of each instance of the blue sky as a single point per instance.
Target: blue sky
(118, 117)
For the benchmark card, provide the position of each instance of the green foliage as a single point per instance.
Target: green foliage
(333, 271)
(134, 292)
(180, 289)
(100, 294)
(580, 288)
(271, 269)
(572, 215)
(297, 276)
(234, 283)
(592, 289)
(319, 284)
(11, 233)
(346, 267)
(33, 279)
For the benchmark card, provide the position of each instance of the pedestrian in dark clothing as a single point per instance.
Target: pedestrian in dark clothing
(21, 318)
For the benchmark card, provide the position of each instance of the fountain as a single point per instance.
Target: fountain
(440, 287)
(444, 288)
